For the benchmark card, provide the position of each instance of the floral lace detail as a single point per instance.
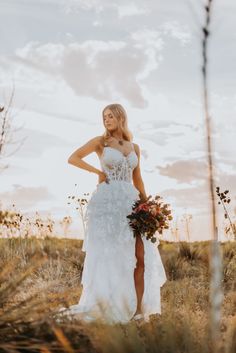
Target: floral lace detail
(116, 165)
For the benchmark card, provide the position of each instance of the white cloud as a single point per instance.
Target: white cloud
(185, 171)
(131, 9)
(104, 70)
(25, 197)
(123, 8)
(87, 5)
(180, 32)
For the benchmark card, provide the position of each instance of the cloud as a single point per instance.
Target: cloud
(131, 9)
(36, 142)
(227, 181)
(25, 197)
(185, 171)
(104, 70)
(117, 67)
(161, 132)
(195, 173)
(195, 198)
(160, 138)
(175, 30)
(198, 197)
(123, 8)
(76, 5)
(159, 124)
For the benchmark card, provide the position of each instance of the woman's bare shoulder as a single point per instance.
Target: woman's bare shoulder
(99, 141)
(96, 140)
(136, 147)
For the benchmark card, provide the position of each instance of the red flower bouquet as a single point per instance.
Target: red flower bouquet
(149, 217)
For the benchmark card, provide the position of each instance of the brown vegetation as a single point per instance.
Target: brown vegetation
(32, 292)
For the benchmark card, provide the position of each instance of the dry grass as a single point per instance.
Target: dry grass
(38, 276)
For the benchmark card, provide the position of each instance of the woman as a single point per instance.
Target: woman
(122, 275)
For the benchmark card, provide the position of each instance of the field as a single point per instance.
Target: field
(38, 276)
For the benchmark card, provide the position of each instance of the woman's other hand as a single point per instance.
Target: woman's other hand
(144, 198)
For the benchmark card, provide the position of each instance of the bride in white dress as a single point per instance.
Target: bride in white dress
(122, 275)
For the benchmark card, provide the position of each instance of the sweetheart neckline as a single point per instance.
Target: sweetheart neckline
(116, 149)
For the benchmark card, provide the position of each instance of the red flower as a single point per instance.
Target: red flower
(143, 207)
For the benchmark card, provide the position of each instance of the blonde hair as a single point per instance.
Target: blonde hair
(120, 114)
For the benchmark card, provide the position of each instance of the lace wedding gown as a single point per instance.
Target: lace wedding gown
(108, 275)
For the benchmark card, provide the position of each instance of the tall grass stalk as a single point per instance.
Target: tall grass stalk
(215, 257)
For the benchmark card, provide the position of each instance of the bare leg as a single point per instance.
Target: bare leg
(139, 272)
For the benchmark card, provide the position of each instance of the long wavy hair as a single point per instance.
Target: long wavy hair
(120, 114)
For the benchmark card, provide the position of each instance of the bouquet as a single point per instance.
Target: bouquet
(149, 217)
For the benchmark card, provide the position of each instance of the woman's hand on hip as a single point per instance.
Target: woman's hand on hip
(102, 177)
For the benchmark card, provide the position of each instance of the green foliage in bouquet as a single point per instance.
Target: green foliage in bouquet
(149, 217)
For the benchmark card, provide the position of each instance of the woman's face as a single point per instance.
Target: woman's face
(109, 120)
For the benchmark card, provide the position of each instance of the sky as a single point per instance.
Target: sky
(68, 59)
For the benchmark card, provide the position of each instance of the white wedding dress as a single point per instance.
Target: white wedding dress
(108, 274)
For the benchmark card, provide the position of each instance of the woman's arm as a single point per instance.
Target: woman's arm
(137, 178)
(89, 147)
